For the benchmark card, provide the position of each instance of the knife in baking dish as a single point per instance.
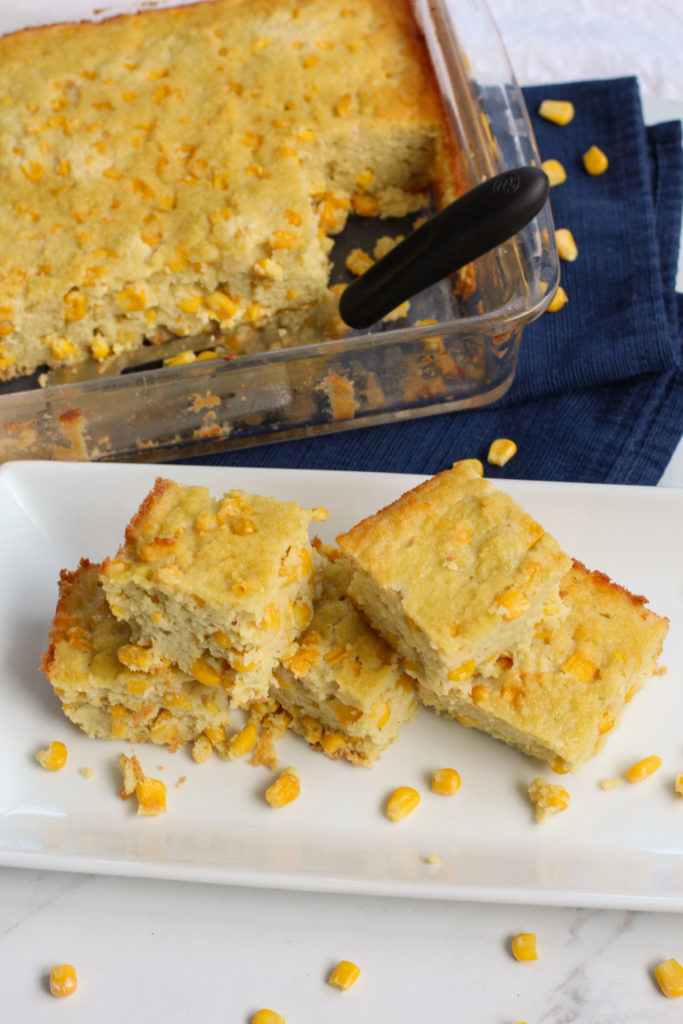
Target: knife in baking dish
(474, 224)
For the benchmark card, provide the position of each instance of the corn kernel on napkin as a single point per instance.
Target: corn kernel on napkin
(598, 394)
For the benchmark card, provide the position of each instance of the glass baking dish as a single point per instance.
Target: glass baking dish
(464, 358)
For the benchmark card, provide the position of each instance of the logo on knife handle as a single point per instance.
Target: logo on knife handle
(506, 184)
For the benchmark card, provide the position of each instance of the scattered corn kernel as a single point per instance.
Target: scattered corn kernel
(669, 975)
(63, 980)
(610, 783)
(678, 785)
(267, 1017)
(595, 161)
(53, 758)
(344, 975)
(284, 790)
(557, 111)
(402, 802)
(445, 781)
(643, 769)
(566, 246)
(524, 946)
(501, 451)
(559, 300)
(555, 171)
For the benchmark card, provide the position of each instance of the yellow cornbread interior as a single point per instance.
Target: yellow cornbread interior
(184, 169)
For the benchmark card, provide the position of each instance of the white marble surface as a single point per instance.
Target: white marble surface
(152, 951)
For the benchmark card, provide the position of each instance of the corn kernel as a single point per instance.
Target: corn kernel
(555, 171)
(100, 349)
(222, 305)
(643, 769)
(365, 206)
(402, 802)
(577, 664)
(181, 359)
(201, 749)
(75, 305)
(243, 742)
(53, 758)
(595, 161)
(205, 673)
(332, 741)
(284, 790)
(344, 975)
(346, 713)
(190, 304)
(559, 299)
(566, 246)
(480, 693)
(501, 451)
(131, 300)
(445, 781)
(267, 1017)
(669, 975)
(463, 671)
(557, 111)
(512, 603)
(63, 980)
(524, 946)
(678, 785)
(151, 796)
(610, 783)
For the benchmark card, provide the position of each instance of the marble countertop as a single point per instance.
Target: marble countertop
(149, 951)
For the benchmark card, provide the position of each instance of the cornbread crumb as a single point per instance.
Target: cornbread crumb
(547, 798)
(611, 783)
(434, 859)
(87, 772)
(150, 793)
(54, 757)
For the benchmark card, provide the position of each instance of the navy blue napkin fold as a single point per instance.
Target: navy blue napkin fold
(598, 394)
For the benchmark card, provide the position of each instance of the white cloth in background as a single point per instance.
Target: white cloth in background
(567, 40)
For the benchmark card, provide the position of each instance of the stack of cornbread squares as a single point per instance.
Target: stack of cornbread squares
(452, 595)
(206, 604)
(185, 169)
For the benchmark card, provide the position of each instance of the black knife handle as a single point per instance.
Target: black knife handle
(474, 224)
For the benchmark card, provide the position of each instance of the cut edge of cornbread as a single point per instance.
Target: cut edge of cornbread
(344, 687)
(453, 573)
(218, 586)
(106, 698)
(559, 695)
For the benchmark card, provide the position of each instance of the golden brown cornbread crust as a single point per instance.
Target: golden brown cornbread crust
(219, 586)
(563, 690)
(106, 697)
(183, 169)
(453, 572)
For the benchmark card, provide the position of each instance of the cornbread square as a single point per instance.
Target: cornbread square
(562, 691)
(93, 669)
(453, 573)
(344, 687)
(218, 586)
(185, 169)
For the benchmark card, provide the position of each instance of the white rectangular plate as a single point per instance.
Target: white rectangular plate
(622, 847)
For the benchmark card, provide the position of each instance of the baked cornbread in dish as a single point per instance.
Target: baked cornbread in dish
(344, 687)
(453, 573)
(185, 168)
(559, 693)
(218, 586)
(92, 667)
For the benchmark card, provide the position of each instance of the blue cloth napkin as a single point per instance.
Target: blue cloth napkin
(598, 394)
